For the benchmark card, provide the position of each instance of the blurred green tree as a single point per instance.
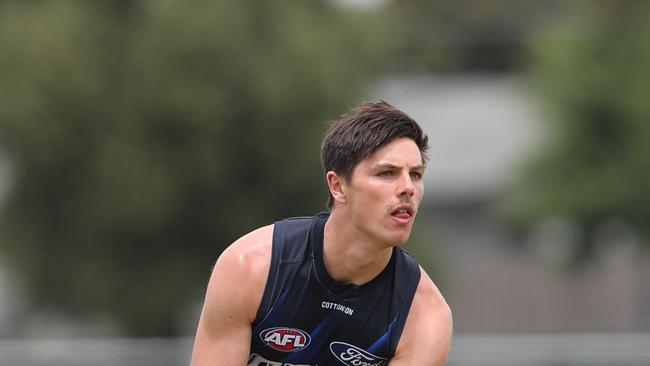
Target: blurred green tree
(146, 135)
(593, 73)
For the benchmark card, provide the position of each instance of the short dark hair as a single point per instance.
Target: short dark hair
(357, 134)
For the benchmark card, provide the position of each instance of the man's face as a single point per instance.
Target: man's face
(385, 192)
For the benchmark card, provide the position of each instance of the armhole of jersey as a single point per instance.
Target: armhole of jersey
(269, 288)
(413, 282)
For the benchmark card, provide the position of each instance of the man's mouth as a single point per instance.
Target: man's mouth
(403, 213)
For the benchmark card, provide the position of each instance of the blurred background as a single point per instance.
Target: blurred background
(139, 138)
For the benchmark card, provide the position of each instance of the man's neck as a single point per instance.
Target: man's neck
(350, 256)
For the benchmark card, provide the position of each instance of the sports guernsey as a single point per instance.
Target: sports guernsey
(307, 318)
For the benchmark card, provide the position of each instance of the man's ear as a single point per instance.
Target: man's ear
(337, 186)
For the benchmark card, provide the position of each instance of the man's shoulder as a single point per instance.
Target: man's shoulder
(430, 294)
(254, 249)
(432, 311)
(429, 327)
(239, 275)
(249, 251)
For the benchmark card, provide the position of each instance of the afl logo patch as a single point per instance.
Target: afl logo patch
(354, 356)
(285, 339)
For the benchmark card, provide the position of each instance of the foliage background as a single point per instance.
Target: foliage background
(144, 136)
(594, 171)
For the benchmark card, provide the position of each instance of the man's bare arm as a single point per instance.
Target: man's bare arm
(426, 338)
(234, 292)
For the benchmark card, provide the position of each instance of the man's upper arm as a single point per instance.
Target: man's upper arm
(232, 298)
(426, 338)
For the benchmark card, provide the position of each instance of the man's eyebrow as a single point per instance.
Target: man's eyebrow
(389, 165)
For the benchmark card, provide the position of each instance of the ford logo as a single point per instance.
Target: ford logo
(354, 356)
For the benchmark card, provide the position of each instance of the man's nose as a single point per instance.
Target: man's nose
(406, 186)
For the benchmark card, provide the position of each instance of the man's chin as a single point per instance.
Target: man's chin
(399, 240)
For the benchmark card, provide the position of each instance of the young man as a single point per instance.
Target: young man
(335, 288)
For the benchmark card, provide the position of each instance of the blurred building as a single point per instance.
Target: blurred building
(480, 128)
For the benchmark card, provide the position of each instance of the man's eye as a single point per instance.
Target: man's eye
(416, 175)
(386, 173)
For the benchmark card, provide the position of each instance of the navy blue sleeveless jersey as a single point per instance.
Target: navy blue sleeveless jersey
(307, 318)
